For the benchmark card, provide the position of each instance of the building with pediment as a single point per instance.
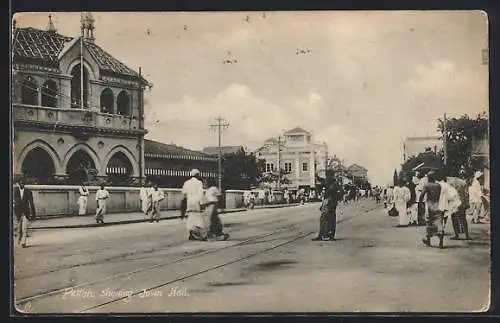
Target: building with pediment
(303, 160)
(78, 112)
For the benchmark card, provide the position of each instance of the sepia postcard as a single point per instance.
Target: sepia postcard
(216, 162)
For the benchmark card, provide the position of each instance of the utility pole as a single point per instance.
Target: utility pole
(221, 124)
(445, 138)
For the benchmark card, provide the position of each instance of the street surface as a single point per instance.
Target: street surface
(269, 264)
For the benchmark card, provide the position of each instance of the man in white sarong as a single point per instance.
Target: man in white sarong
(422, 210)
(402, 195)
(413, 214)
(156, 197)
(196, 223)
(449, 200)
(475, 197)
(101, 196)
(83, 199)
(144, 196)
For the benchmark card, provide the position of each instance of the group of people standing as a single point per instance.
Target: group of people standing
(101, 197)
(151, 198)
(433, 198)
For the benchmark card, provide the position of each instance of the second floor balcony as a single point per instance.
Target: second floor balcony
(74, 117)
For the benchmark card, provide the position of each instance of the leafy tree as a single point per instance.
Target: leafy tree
(427, 157)
(460, 133)
(241, 170)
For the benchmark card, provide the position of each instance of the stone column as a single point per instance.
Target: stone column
(39, 92)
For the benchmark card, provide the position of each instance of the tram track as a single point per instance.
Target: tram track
(194, 256)
(197, 273)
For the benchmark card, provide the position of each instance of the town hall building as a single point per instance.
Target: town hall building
(78, 112)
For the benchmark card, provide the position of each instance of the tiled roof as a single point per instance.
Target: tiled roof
(296, 130)
(226, 150)
(155, 148)
(38, 44)
(108, 62)
(45, 46)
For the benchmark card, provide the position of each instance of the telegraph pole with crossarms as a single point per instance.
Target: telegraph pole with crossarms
(221, 124)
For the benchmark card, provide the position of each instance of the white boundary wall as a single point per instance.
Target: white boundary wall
(61, 200)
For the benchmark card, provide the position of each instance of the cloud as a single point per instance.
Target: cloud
(252, 119)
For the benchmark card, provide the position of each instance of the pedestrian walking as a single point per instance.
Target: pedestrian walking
(212, 196)
(449, 200)
(144, 196)
(83, 199)
(475, 197)
(24, 211)
(248, 199)
(389, 197)
(421, 206)
(413, 203)
(262, 197)
(459, 219)
(328, 219)
(183, 207)
(101, 196)
(435, 216)
(401, 195)
(196, 223)
(286, 195)
(156, 197)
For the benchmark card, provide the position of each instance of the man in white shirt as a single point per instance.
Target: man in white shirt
(156, 197)
(475, 197)
(422, 211)
(145, 199)
(196, 223)
(101, 196)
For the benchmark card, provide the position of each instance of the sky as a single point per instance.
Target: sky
(367, 80)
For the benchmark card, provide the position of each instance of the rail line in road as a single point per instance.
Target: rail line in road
(21, 301)
(197, 273)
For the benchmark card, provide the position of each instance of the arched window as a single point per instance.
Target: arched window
(80, 167)
(107, 101)
(49, 94)
(38, 165)
(123, 104)
(29, 91)
(119, 169)
(76, 87)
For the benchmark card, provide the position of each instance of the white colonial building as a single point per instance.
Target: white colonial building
(302, 159)
(78, 112)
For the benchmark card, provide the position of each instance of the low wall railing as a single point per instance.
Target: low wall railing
(61, 200)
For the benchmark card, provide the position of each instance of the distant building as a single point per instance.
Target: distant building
(412, 146)
(300, 157)
(355, 171)
(169, 165)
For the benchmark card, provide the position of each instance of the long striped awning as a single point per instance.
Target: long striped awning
(176, 172)
(173, 156)
(117, 171)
